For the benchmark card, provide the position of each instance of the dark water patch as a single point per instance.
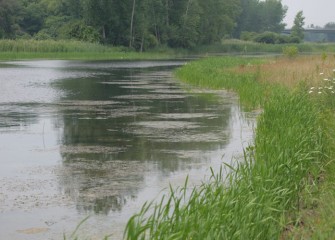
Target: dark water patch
(82, 138)
(151, 96)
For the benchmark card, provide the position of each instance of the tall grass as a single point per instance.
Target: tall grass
(236, 46)
(50, 46)
(68, 49)
(262, 196)
(230, 73)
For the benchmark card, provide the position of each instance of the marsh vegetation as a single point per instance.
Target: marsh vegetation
(286, 172)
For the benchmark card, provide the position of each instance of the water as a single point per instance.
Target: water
(99, 139)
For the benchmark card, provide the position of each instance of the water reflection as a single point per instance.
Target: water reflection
(101, 138)
(117, 127)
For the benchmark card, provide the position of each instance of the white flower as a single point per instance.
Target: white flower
(320, 87)
(321, 73)
(310, 91)
(319, 92)
(325, 79)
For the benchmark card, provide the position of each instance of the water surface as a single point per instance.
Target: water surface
(99, 139)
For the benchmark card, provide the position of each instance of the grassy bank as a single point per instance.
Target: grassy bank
(69, 49)
(231, 46)
(50, 49)
(284, 173)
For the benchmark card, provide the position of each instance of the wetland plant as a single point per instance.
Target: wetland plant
(260, 197)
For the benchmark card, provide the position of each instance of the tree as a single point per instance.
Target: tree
(272, 15)
(33, 16)
(218, 18)
(298, 27)
(260, 16)
(8, 18)
(98, 13)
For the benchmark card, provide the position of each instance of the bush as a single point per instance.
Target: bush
(247, 36)
(295, 39)
(266, 37)
(78, 30)
(42, 35)
(290, 51)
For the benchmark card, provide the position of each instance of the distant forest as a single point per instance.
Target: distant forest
(139, 24)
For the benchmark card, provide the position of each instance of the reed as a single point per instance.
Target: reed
(263, 195)
(67, 49)
(240, 75)
(235, 46)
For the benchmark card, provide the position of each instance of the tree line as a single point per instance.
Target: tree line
(139, 24)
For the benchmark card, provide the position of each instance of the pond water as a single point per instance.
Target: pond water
(99, 139)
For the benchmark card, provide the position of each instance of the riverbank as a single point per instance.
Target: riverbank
(285, 182)
(73, 50)
(76, 50)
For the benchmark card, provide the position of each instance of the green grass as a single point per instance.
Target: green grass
(261, 197)
(218, 73)
(231, 46)
(70, 49)
(66, 49)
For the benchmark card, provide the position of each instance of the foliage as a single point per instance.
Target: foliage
(298, 27)
(254, 200)
(266, 37)
(290, 51)
(77, 30)
(260, 16)
(139, 24)
(274, 38)
(8, 19)
(70, 49)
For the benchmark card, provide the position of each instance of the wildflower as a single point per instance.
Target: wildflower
(312, 88)
(321, 73)
(310, 92)
(332, 91)
(320, 87)
(319, 92)
(325, 79)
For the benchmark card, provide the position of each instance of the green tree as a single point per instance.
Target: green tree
(218, 18)
(98, 13)
(189, 29)
(8, 18)
(260, 16)
(33, 16)
(272, 14)
(298, 27)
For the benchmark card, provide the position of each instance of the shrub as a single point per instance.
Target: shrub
(248, 36)
(266, 37)
(78, 30)
(290, 51)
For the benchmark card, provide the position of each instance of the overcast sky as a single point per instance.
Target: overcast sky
(317, 12)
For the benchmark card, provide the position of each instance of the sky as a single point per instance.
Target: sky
(317, 12)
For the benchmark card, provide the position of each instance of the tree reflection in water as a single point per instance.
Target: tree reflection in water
(120, 126)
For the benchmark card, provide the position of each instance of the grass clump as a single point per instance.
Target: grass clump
(290, 51)
(262, 197)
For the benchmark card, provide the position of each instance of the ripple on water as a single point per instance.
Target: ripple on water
(89, 149)
(186, 115)
(167, 124)
(151, 96)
